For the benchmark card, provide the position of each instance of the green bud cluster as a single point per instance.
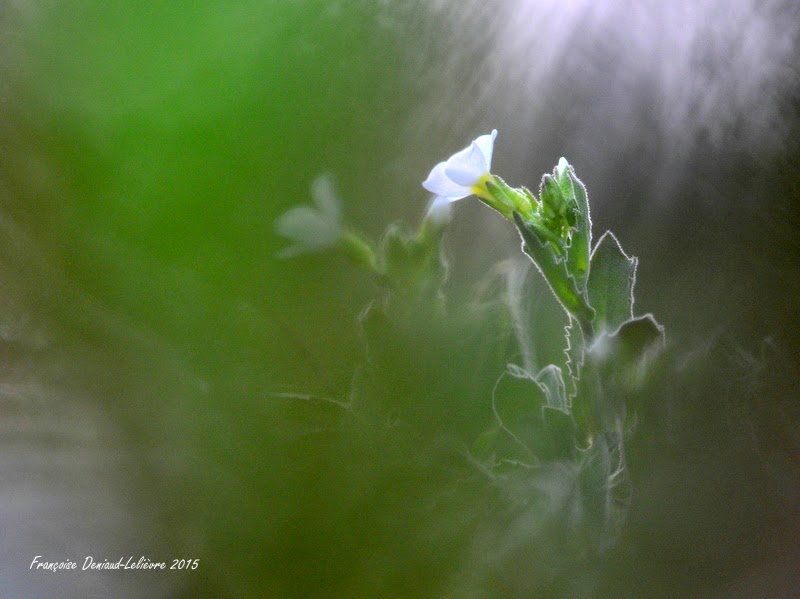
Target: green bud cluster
(556, 233)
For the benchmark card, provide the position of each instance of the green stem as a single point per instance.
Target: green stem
(587, 328)
(358, 251)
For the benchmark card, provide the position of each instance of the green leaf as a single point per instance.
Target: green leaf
(485, 446)
(575, 354)
(578, 253)
(611, 281)
(512, 199)
(589, 395)
(552, 199)
(565, 182)
(358, 251)
(604, 485)
(530, 197)
(542, 431)
(551, 381)
(517, 401)
(616, 366)
(413, 266)
(555, 272)
(558, 442)
(639, 335)
(519, 301)
(396, 252)
(498, 200)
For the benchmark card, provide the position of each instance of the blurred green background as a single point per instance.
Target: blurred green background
(147, 149)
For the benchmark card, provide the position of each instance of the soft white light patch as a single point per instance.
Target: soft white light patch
(668, 79)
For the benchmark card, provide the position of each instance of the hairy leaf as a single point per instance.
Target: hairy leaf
(552, 383)
(555, 271)
(611, 282)
(638, 335)
(578, 253)
(574, 352)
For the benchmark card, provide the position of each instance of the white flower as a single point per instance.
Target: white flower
(312, 229)
(562, 166)
(439, 211)
(465, 172)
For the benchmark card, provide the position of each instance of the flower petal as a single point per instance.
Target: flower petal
(323, 190)
(308, 228)
(439, 211)
(440, 184)
(467, 166)
(562, 166)
(486, 144)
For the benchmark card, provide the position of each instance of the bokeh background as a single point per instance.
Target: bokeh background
(168, 384)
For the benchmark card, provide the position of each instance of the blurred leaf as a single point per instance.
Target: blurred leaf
(551, 381)
(638, 335)
(517, 402)
(615, 367)
(485, 446)
(558, 442)
(537, 429)
(518, 301)
(604, 487)
(396, 253)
